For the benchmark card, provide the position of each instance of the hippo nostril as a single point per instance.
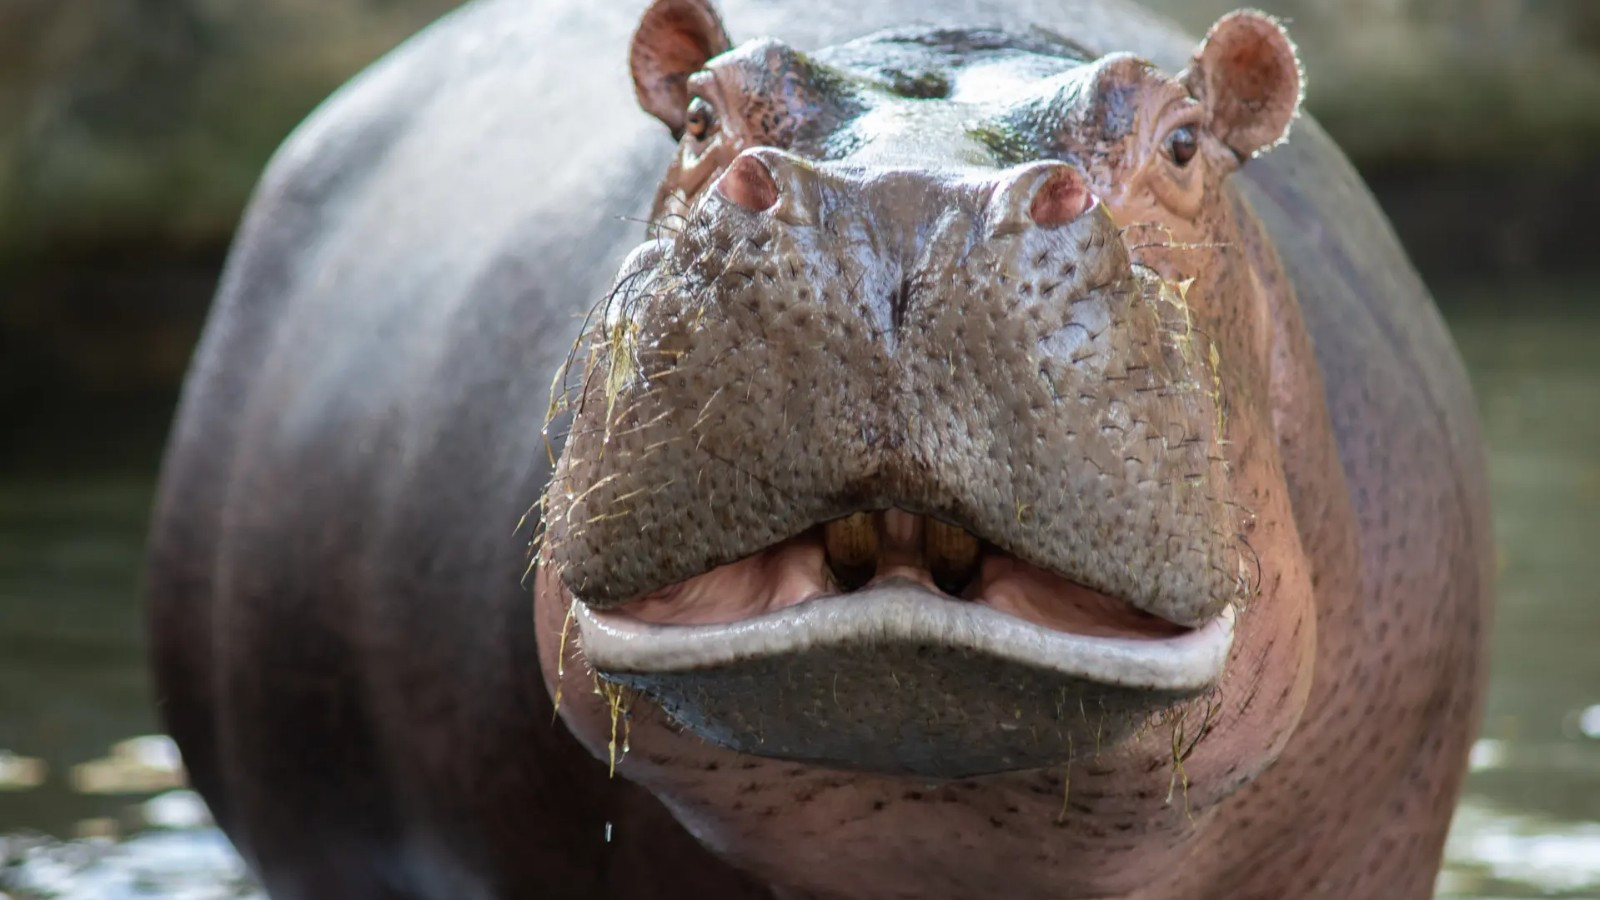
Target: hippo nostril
(1061, 199)
(1042, 194)
(749, 184)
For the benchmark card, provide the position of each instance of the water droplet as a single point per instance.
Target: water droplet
(156, 752)
(1487, 753)
(176, 809)
(1589, 722)
(18, 773)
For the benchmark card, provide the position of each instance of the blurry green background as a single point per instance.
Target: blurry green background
(131, 132)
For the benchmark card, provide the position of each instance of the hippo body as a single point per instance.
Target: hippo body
(347, 658)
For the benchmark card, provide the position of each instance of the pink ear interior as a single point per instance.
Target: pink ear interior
(673, 41)
(1248, 76)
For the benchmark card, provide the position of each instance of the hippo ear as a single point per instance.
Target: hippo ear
(674, 40)
(1248, 77)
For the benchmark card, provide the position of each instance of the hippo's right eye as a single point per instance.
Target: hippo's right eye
(1182, 144)
(700, 120)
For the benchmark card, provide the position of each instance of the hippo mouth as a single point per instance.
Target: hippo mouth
(894, 642)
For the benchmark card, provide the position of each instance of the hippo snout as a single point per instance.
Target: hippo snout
(811, 341)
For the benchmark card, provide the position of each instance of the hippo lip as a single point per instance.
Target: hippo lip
(791, 598)
(900, 611)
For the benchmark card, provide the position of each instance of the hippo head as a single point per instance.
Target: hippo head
(930, 437)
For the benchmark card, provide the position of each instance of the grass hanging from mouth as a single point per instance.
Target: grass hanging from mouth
(622, 339)
(1066, 783)
(561, 657)
(1178, 773)
(1183, 747)
(619, 700)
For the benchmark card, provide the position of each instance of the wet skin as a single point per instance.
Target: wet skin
(988, 476)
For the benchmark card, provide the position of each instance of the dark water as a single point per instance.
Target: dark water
(85, 812)
(1529, 825)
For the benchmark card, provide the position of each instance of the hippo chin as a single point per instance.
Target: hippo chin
(1017, 461)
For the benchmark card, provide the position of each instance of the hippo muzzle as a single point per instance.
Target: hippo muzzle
(899, 469)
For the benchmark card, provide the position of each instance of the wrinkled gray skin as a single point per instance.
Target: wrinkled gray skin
(348, 662)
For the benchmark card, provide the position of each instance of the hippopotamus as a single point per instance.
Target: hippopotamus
(952, 449)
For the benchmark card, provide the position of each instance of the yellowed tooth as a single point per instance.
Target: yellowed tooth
(952, 555)
(852, 547)
(852, 540)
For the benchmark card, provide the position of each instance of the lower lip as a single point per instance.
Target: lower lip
(1191, 660)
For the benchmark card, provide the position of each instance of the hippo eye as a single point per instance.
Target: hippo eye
(1182, 144)
(699, 121)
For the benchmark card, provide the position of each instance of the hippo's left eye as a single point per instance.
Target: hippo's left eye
(700, 119)
(1182, 145)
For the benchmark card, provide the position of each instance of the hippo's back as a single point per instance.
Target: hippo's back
(343, 648)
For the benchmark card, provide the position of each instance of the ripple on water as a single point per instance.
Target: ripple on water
(1516, 855)
(177, 865)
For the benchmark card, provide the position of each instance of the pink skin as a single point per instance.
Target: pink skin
(797, 570)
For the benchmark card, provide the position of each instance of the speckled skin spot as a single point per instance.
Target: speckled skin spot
(351, 669)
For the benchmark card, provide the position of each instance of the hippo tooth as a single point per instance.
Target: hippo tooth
(952, 555)
(852, 547)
